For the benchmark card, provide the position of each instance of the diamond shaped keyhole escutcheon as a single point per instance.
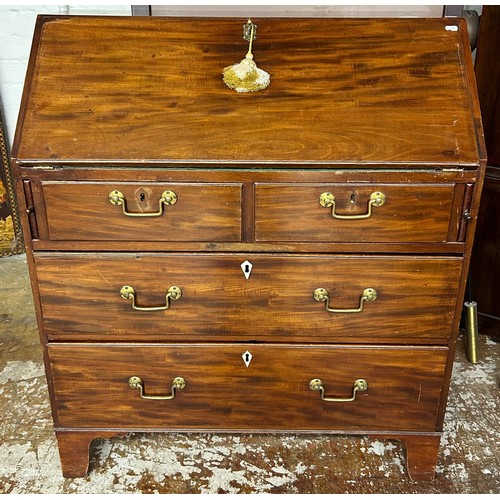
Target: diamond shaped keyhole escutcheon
(246, 267)
(247, 358)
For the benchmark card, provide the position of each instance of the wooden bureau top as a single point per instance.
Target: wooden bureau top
(355, 92)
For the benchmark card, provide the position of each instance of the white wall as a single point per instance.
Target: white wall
(299, 10)
(16, 31)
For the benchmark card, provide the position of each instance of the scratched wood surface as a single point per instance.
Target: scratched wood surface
(201, 212)
(80, 297)
(252, 463)
(282, 212)
(413, 213)
(355, 102)
(404, 386)
(342, 90)
(248, 210)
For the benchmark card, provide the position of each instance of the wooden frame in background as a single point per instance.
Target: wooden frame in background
(11, 239)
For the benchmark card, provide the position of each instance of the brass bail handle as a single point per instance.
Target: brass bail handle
(167, 198)
(316, 384)
(327, 200)
(368, 295)
(128, 293)
(135, 382)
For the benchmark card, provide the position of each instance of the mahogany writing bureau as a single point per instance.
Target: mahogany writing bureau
(291, 259)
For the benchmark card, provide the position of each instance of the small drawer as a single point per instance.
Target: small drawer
(96, 211)
(371, 213)
(294, 298)
(247, 386)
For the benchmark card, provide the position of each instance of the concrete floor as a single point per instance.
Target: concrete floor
(469, 459)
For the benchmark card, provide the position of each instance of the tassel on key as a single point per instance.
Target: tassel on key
(245, 76)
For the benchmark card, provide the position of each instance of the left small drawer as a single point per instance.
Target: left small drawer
(149, 211)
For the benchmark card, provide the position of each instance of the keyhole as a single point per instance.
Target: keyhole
(247, 357)
(353, 198)
(246, 267)
(142, 197)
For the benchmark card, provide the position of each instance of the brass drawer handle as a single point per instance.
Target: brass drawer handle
(368, 295)
(360, 385)
(136, 383)
(173, 293)
(118, 199)
(327, 200)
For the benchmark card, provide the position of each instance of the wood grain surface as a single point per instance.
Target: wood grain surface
(202, 212)
(282, 212)
(404, 386)
(354, 106)
(342, 90)
(412, 213)
(80, 297)
(273, 209)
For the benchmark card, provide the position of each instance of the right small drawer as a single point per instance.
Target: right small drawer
(372, 213)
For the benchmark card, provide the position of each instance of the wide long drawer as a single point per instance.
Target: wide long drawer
(399, 388)
(292, 298)
(148, 211)
(355, 212)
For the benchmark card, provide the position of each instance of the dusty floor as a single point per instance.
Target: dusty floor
(469, 460)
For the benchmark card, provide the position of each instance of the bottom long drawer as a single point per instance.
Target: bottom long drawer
(247, 386)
